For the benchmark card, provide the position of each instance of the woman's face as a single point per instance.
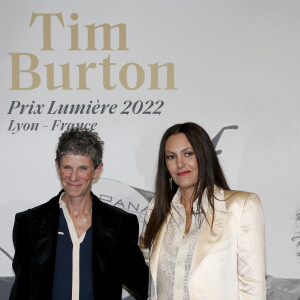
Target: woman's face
(181, 161)
(76, 173)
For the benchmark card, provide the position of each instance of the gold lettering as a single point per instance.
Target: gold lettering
(74, 33)
(47, 27)
(106, 36)
(34, 62)
(65, 77)
(140, 76)
(154, 76)
(82, 75)
(106, 73)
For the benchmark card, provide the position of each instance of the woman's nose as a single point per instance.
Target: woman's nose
(73, 176)
(180, 162)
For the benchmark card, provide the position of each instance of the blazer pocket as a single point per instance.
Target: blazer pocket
(222, 245)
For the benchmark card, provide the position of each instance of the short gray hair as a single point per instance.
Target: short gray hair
(77, 141)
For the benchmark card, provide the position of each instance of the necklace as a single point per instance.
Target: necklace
(188, 223)
(89, 211)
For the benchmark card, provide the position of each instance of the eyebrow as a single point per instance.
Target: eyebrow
(64, 165)
(188, 148)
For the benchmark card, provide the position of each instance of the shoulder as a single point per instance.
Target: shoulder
(114, 219)
(240, 197)
(42, 208)
(110, 210)
(35, 217)
(240, 200)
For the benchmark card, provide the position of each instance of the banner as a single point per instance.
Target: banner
(131, 69)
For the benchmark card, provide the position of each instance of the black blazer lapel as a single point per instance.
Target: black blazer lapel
(115, 253)
(105, 233)
(44, 222)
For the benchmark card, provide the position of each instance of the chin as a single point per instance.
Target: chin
(73, 193)
(186, 185)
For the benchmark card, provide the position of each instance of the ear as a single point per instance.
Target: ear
(57, 167)
(98, 171)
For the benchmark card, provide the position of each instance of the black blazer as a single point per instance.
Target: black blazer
(117, 260)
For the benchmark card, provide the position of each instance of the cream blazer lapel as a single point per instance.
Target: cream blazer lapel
(206, 240)
(209, 236)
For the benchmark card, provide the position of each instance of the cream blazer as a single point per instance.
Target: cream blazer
(229, 260)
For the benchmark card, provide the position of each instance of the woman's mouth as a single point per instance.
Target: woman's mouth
(72, 185)
(183, 173)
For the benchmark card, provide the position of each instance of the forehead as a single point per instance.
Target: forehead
(177, 141)
(77, 160)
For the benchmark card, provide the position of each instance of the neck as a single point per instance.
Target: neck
(78, 207)
(187, 199)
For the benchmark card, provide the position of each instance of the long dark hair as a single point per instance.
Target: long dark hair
(209, 174)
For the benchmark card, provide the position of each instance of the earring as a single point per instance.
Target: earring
(171, 181)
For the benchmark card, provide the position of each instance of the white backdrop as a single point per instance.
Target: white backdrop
(235, 63)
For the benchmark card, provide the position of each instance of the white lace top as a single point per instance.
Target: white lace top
(177, 252)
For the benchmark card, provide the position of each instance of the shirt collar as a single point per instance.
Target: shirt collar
(61, 202)
(177, 197)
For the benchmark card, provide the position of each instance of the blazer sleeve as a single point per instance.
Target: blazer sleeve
(21, 262)
(135, 271)
(251, 251)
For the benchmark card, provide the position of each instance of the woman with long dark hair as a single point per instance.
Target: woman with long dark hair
(205, 241)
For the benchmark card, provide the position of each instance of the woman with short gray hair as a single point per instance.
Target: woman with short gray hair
(74, 246)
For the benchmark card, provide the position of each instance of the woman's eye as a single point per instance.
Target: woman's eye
(188, 154)
(168, 157)
(66, 167)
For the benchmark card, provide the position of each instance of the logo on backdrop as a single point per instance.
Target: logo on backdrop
(128, 198)
(295, 236)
